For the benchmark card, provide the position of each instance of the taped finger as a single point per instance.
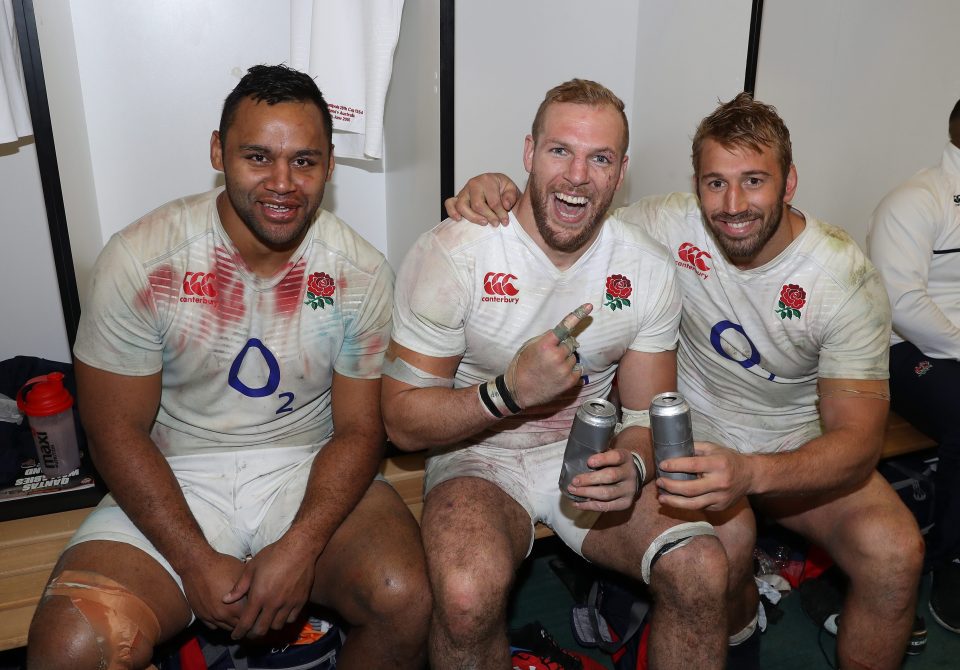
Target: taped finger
(570, 343)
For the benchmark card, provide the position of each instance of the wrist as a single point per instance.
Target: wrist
(497, 399)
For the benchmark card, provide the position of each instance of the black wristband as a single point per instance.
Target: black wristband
(505, 394)
(488, 402)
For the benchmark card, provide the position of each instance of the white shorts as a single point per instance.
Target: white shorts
(243, 501)
(530, 476)
(752, 439)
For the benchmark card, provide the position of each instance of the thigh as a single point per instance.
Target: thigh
(471, 526)
(851, 525)
(377, 542)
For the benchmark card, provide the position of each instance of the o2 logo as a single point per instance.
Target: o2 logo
(273, 375)
(751, 360)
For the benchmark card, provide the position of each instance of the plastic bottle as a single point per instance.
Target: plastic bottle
(49, 408)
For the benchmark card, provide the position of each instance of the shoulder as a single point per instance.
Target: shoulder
(835, 254)
(170, 226)
(635, 239)
(338, 238)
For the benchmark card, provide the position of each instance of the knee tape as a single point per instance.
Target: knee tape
(744, 635)
(634, 417)
(670, 539)
(117, 617)
(402, 371)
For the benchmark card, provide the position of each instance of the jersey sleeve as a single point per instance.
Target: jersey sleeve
(431, 302)
(120, 327)
(659, 326)
(367, 334)
(856, 341)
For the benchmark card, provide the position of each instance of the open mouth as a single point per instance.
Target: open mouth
(277, 213)
(570, 207)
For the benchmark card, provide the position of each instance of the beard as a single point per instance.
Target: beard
(743, 249)
(278, 237)
(560, 240)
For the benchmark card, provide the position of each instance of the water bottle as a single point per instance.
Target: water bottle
(48, 406)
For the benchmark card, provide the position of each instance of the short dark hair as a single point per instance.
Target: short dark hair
(955, 114)
(745, 122)
(581, 92)
(273, 84)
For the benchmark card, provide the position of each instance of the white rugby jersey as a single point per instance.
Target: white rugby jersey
(914, 240)
(481, 292)
(753, 342)
(246, 361)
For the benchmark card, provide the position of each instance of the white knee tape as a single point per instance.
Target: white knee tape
(744, 635)
(670, 539)
(402, 371)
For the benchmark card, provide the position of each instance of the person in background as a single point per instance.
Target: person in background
(914, 240)
(488, 366)
(228, 367)
(783, 360)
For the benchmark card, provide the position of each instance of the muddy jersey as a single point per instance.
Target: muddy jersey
(246, 361)
(753, 342)
(480, 292)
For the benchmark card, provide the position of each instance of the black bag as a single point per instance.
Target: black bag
(614, 619)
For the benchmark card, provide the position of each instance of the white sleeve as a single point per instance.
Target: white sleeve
(903, 232)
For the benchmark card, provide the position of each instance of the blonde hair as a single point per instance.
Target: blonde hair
(745, 122)
(581, 92)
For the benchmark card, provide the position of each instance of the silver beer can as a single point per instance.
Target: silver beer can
(672, 431)
(590, 434)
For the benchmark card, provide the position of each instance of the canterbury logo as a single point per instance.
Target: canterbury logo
(956, 200)
(498, 283)
(694, 256)
(200, 284)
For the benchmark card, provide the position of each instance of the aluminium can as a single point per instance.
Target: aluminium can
(590, 434)
(672, 431)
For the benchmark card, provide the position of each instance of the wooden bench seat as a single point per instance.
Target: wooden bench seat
(29, 548)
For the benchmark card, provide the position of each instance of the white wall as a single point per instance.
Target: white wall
(668, 61)
(30, 312)
(865, 87)
(152, 79)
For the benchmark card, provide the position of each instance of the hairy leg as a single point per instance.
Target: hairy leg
(874, 539)
(374, 574)
(737, 530)
(689, 584)
(113, 599)
(475, 536)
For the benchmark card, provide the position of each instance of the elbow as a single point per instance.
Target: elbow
(397, 432)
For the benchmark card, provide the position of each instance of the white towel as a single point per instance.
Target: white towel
(348, 46)
(14, 114)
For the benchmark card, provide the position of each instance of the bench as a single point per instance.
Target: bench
(30, 547)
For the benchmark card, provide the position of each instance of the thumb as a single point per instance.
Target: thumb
(239, 589)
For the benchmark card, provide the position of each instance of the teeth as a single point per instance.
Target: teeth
(276, 208)
(572, 199)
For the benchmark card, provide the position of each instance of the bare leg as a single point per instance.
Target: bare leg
(737, 530)
(373, 573)
(62, 637)
(875, 540)
(475, 536)
(689, 584)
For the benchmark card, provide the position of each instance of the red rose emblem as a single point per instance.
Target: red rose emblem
(618, 292)
(793, 296)
(321, 284)
(618, 286)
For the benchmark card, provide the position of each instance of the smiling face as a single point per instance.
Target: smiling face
(742, 194)
(276, 160)
(576, 164)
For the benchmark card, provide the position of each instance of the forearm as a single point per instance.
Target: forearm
(339, 477)
(835, 460)
(422, 418)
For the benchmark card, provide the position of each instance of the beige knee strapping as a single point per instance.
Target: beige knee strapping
(744, 635)
(670, 539)
(117, 617)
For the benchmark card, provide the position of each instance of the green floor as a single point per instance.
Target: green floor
(790, 644)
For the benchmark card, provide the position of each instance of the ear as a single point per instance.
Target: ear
(216, 151)
(623, 172)
(791, 185)
(332, 163)
(529, 145)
